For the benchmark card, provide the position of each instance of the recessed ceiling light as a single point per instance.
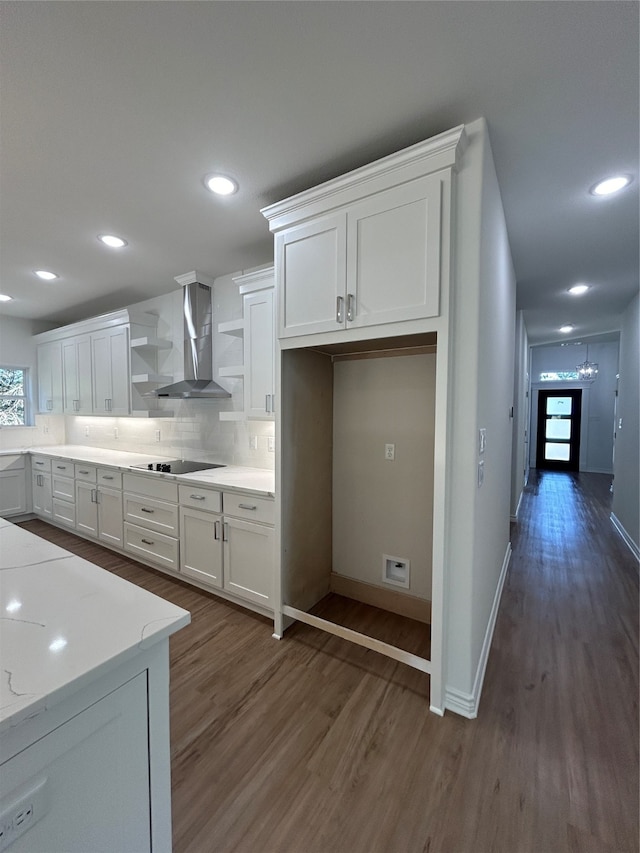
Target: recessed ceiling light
(578, 289)
(46, 275)
(5, 298)
(566, 328)
(221, 184)
(112, 241)
(611, 185)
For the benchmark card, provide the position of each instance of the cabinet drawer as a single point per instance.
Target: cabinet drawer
(198, 498)
(152, 514)
(157, 547)
(249, 507)
(110, 477)
(41, 464)
(64, 512)
(63, 488)
(151, 486)
(14, 462)
(85, 472)
(62, 467)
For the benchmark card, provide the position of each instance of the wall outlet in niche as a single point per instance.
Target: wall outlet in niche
(271, 444)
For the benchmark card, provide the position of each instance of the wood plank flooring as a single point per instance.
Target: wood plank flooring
(313, 745)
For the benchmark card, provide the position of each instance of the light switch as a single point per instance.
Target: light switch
(482, 440)
(480, 473)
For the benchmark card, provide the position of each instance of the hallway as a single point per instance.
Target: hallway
(312, 745)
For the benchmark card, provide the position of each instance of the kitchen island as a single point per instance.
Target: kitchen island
(84, 704)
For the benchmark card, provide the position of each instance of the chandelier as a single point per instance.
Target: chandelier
(587, 370)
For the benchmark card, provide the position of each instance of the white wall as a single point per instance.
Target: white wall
(520, 445)
(17, 349)
(626, 500)
(598, 398)
(380, 506)
(483, 381)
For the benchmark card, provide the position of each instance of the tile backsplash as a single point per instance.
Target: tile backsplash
(48, 429)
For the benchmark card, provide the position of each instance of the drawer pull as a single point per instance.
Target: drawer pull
(248, 506)
(61, 467)
(39, 463)
(198, 497)
(144, 509)
(83, 472)
(148, 541)
(107, 477)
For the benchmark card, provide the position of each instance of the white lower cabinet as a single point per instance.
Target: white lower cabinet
(41, 486)
(249, 560)
(151, 520)
(13, 492)
(98, 507)
(224, 551)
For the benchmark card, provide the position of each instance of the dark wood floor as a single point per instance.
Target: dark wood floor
(312, 745)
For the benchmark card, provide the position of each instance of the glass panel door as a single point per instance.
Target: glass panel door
(559, 429)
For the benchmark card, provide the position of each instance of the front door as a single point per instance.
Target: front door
(559, 430)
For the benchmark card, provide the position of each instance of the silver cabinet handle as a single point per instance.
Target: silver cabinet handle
(61, 467)
(49, 405)
(225, 532)
(148, 541)
(39, 463)
(216, 530)
(340, 309)
(247, 506)
(267, 403)
(76, 405)
(351, 306)
(83, 472)
(144, 509)
(198, 497)
(94, 499)
(107, 477)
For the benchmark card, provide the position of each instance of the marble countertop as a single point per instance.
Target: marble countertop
(65, 622)
(257, 481)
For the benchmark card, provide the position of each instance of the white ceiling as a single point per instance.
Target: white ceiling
(112, 113)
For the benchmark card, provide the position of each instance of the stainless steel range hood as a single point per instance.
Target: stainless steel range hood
(198, 350)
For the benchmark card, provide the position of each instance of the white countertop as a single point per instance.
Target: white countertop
(258, 481)
(65, 622)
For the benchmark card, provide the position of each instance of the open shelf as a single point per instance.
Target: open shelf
(150, 378)
(232, 327)
(150, 343)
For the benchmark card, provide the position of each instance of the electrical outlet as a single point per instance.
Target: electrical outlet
(157, 435)
(115, 432)
(480, 473)
(271, 444)
(390, 452)
(86, 431)
(253, 442)
(482, 440)
(22, 812)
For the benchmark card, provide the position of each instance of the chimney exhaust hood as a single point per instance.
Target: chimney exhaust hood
(198, 350)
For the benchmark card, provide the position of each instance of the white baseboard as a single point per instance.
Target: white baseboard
(514, 517)
(466, 704)
(625, 536)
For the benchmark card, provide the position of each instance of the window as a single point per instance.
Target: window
(14, 408)
(560, 376)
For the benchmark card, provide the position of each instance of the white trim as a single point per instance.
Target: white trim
(466, 704)
(514, 517)
(625, 536)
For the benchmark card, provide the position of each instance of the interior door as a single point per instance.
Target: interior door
(558, 446)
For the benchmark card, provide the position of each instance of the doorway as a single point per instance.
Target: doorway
(558, 443)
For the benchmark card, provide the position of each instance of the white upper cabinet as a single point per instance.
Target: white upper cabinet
(49, 362)
(366, 249)
(110, 367)
(258, 351)
(76, 375)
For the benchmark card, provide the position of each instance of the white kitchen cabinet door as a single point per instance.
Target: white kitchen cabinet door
(249, 564)
(86, 509)
(201, 546)
(41, 494)
(259, 355)
(76, 375)
(49, 364)
(110, 524)
(110, 371)
(393, 254)
(13, 499)
(311, 264)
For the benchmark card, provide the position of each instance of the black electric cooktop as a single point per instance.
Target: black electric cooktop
(177, 466)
